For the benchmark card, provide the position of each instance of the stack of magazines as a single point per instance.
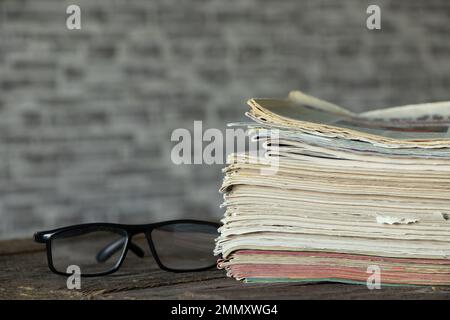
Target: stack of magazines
(337, 195)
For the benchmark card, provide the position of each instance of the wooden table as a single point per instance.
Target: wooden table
(24, 275)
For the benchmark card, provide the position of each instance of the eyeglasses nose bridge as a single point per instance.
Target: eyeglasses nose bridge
(133, 247)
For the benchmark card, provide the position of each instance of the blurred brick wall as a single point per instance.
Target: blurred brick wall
(86, 116)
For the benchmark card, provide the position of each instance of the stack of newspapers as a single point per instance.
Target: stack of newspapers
(339, 196)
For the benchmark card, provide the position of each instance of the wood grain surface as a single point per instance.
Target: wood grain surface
(25, 275)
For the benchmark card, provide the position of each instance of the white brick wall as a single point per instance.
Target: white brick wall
(86, 116)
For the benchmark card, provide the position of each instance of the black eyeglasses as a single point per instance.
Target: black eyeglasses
(100, 248)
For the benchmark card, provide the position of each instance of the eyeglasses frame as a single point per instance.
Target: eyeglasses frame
(131, 230)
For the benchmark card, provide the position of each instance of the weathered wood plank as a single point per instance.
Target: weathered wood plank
(25, 275)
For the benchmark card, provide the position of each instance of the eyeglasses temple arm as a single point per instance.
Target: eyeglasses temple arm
(109, 250)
